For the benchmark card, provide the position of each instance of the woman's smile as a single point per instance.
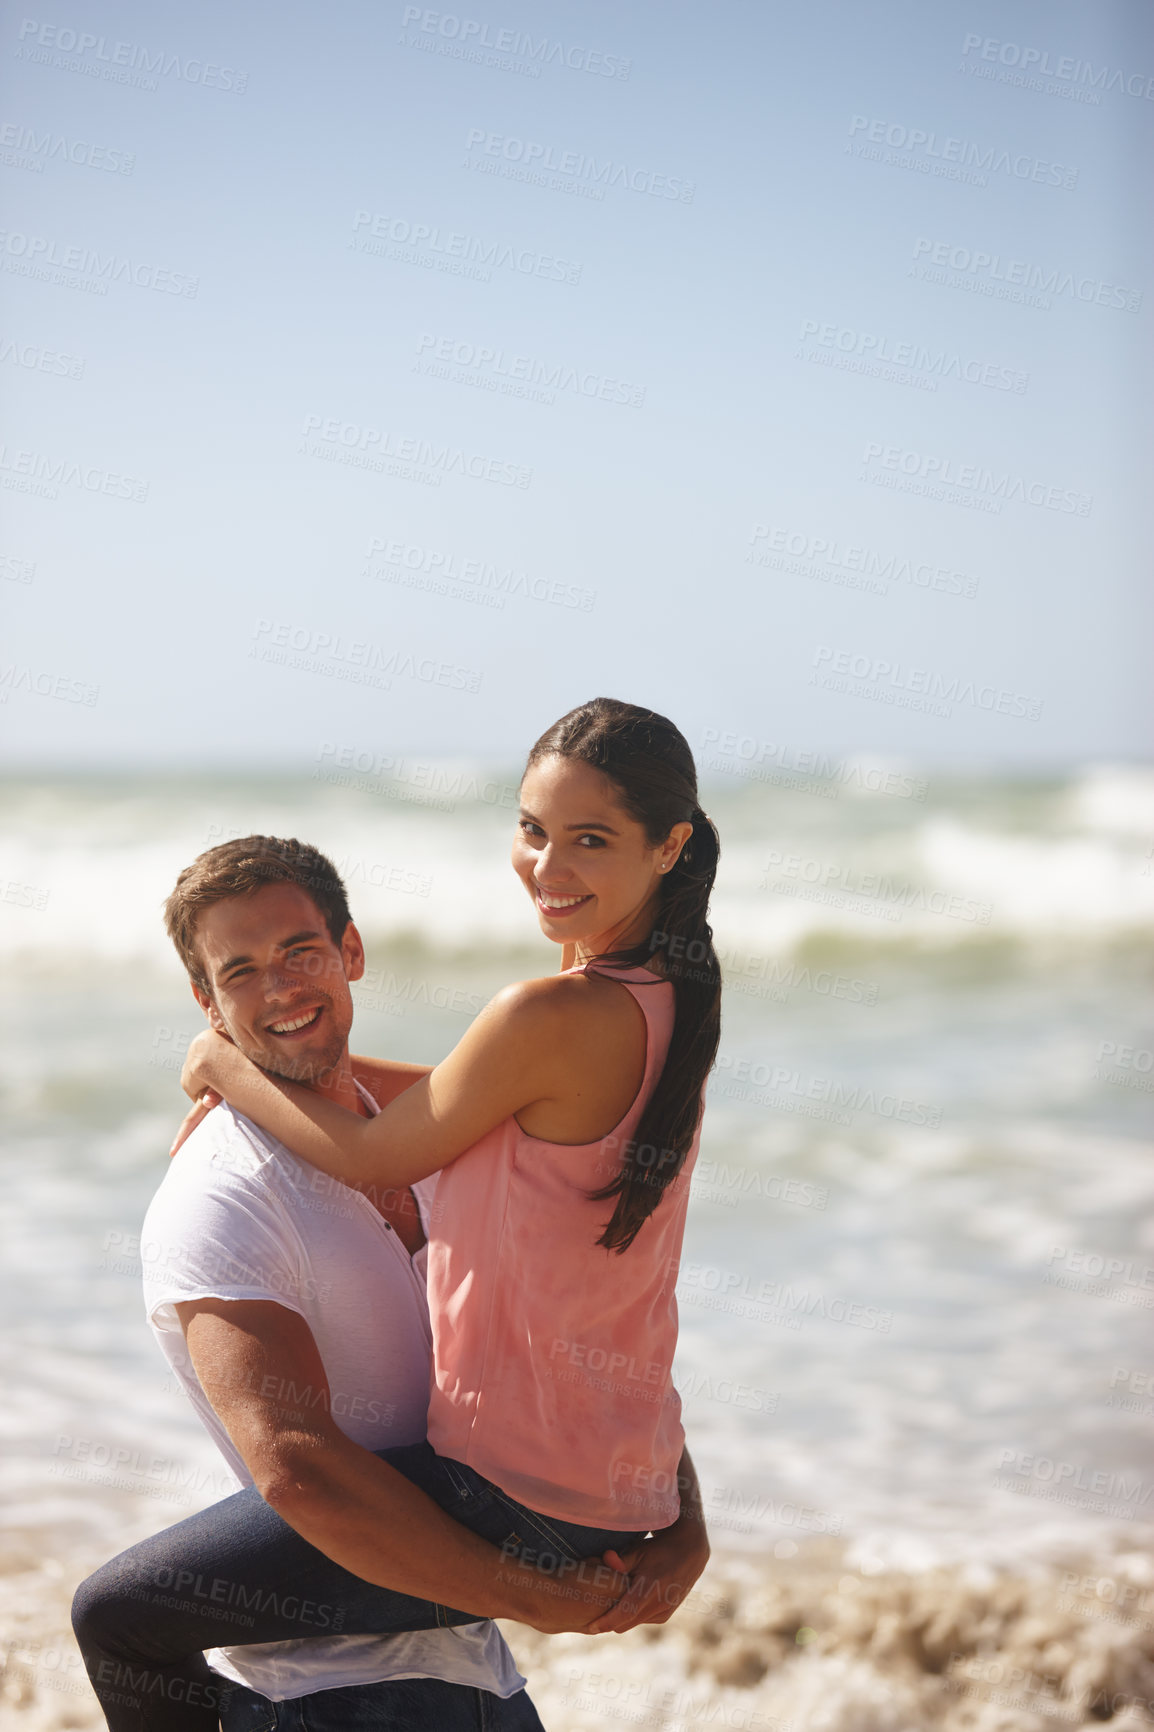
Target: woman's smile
(556, 907)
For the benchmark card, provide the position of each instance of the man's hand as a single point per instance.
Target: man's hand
(661, 1570)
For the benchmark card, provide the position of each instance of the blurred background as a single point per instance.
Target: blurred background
(380, 383)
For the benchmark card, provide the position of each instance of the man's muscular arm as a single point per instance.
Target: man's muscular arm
(253, 1359)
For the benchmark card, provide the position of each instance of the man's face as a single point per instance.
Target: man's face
(278, 985)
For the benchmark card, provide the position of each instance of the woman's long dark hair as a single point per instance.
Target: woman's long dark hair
(652, 771)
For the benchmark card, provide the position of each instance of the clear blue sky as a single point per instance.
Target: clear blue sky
(764, 213)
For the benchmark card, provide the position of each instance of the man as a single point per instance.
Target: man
(292, 1309)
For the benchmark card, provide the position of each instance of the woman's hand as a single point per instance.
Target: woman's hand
(198, 1110)
(201, 1063)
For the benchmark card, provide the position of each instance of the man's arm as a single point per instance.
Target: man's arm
(360, 1512)
(663, 1569)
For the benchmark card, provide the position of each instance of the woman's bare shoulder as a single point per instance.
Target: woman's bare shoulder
(566, 1001)
(584, 1036)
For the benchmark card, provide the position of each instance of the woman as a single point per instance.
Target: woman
(552, 1388)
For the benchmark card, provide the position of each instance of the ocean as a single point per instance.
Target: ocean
(916, 1356)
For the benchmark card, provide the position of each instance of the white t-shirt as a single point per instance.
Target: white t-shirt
(238, 1216)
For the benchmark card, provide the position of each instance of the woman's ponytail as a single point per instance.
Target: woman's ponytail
(650, 763)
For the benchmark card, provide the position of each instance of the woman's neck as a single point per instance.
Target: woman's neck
(570, 960)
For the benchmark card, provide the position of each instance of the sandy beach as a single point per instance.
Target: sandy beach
(800, 1644)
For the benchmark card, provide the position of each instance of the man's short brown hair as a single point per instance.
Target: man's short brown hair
(241, 868)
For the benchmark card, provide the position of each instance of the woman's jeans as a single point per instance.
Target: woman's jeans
(237, 1573)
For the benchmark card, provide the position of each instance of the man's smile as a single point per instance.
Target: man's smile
(296, 1025)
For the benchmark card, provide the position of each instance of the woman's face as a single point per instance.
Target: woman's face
(591, 871)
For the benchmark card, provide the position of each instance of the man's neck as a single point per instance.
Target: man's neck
(339, 1085)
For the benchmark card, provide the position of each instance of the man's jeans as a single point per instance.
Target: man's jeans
(409, 1705)
(237, 1573)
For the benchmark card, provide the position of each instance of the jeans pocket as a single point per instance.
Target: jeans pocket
(246, 1711)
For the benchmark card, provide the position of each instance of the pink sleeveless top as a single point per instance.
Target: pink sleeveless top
(552, 1357)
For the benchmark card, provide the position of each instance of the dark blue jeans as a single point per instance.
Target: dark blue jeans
(237, 1573)
(409, 1705)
